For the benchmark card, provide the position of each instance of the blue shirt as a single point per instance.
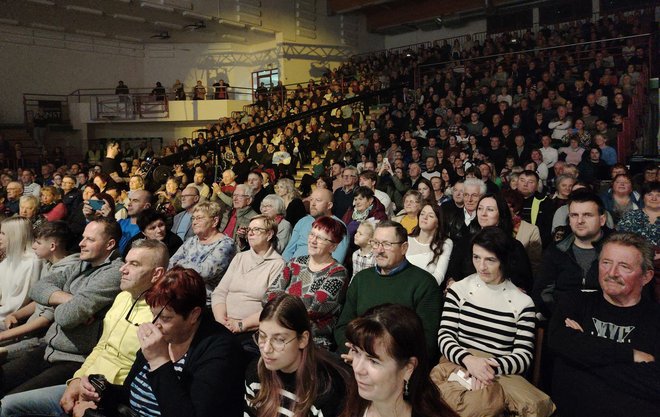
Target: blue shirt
(184, 225)
(297, 245)
(128, 230)
(608, 154)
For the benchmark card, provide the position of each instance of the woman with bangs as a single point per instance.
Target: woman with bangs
(318, 279)
(293, 377)
(391, 366)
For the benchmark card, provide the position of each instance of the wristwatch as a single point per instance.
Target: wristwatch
(240, 326)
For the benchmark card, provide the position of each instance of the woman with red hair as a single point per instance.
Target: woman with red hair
(188, 364)
(317, 278)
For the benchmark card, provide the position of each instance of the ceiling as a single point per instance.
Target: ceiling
(391, 17)
(130, 20)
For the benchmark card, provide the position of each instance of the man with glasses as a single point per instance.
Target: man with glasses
(343, 197)
(320, 205)
(115, 351)
(182, 223)
(392, 280)
(79, 294)
(236, 219)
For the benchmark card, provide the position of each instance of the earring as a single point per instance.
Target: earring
(406, 393)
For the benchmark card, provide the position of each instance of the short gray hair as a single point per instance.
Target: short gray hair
(475, 182)
(247, 189)
(275, 201)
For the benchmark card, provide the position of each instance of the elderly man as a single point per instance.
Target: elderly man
(115, 351)
(571, 265)
(182, 222)
(393, 280)
(462, 225)
(343, 197)
(79, 294)
(237, 218)
(14, 193)
(607, 344)
(320, 205)
(138, 201)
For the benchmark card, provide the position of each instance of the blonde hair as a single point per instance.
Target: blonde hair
(210, 208)
(18, 238)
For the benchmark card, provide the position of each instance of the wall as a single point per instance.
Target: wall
(35, 61)
(409, 38)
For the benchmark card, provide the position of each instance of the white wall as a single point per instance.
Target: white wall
(473, 26)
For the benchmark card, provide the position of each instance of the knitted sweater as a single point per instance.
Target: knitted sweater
(411, 286)
(322, 292)
(496, 319)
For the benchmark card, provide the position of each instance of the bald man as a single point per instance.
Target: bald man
(320, 205)
(138, 201)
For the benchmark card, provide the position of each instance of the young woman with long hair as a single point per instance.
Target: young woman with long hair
(429, 246)
(293, 376)
(391, 366)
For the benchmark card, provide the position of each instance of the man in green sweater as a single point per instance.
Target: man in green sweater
(395, 281)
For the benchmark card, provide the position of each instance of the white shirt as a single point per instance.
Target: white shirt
(469, 217)
(550, 156)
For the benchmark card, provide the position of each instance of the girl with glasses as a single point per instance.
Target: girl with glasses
(293, 376)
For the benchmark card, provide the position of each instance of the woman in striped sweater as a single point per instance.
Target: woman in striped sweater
(487, 337)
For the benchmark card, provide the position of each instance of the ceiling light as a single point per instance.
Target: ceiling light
(157, 6)
(9, 21)
(130, 18)
(127, 38)
(196, 15)
(262, 31)
(234, 38)
(47, 27)
(89, 33)
(88, 10)
(169, 25)
(231, 23)
(43, 2)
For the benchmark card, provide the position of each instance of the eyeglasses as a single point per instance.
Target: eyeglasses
(277, 344)
(128, 315)
(314, 236)
(241, 195)
(188, 195)
(386, 245)
(195, 218)
(255, 230)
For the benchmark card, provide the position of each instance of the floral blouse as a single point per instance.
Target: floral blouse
(637, 221)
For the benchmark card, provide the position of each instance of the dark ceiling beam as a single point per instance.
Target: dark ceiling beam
(347, 6)
(404, 12)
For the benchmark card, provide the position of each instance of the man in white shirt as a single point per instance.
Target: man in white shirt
(550, 154)
(29, 186)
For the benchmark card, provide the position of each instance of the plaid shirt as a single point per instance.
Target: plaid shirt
(361, 262)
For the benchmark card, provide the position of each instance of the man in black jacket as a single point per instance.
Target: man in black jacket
(572, 264)
(607, 343)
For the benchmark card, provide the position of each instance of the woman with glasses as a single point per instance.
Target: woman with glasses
(318, 279)
(236, 301)
(272, 206)
(412, 205)
(188, 364)
(209, 251)
(293, 377)
(391, 365)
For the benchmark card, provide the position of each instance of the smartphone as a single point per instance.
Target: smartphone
(96, 204)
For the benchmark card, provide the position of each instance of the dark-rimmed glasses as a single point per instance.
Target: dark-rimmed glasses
(128, 315)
